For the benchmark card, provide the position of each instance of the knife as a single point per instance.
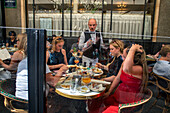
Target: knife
(65, 79)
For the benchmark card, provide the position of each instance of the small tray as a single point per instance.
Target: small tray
(84, 89)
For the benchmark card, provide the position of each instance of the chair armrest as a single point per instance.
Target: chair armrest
(133, 104)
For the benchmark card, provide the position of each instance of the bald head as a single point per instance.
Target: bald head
(92, 24)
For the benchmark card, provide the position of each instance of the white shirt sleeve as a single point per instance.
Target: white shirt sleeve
(81, 42)
(47, 69)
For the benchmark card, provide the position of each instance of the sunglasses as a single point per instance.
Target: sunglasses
(114, 41)
(60, 38)
(17, 40)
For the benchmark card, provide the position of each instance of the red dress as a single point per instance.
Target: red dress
(128, 91)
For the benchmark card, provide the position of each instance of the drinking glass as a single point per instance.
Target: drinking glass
(15, 45)
(74, 83)
(3, 46)
(86, 79)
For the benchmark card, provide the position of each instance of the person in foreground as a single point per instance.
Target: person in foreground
(133, 76)
(18, 55)
(22, 77)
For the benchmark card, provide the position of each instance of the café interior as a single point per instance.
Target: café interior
(84, 56)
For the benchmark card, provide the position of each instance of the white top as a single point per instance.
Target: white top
(22, 80)
(162, 68)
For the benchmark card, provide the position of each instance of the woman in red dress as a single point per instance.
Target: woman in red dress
(133, 76)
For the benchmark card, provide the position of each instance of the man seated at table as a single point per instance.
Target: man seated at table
(11, 41)
(162, 66)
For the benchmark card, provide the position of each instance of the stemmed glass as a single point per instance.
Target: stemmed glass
(76, 60)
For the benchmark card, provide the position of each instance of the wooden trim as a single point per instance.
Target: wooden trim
(23, 17)
(155, 28)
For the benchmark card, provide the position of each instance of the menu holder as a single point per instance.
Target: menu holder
(4, 54)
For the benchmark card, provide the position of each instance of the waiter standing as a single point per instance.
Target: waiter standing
(91, 42)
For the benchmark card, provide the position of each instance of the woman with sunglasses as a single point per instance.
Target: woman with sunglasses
(116, 49)
(57, 58)
(133, 76)
(18, 55)
(130, 83)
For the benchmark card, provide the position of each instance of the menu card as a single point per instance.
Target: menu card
(4, 54)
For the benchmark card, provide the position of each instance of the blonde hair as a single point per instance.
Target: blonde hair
(22, 40)
(55, 41)
(117, 44)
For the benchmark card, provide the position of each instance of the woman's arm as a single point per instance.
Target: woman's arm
(109, 79)
(114, 83)
(53, 80)
(99, 65)
(65, 56)
(55, 66)
(16, 58)
(47, 56)
(129, 66)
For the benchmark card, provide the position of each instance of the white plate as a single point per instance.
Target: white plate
(97, 88)
(1, 69)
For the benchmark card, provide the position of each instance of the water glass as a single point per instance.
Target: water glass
(74, 83)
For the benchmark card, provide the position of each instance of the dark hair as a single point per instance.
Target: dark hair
(12, 33)
(164, 50)
(53, 35)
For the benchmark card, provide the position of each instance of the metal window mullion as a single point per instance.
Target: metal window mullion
(143, 28)
(71, 18)
(102, 15)
(111, 15)
(36, 70)
(63, 18)
(33, 7)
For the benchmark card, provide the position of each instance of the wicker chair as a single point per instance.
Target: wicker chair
(135, 107)
(7, 89)
(163, 87)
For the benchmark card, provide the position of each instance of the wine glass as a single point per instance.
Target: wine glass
(76, 60)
